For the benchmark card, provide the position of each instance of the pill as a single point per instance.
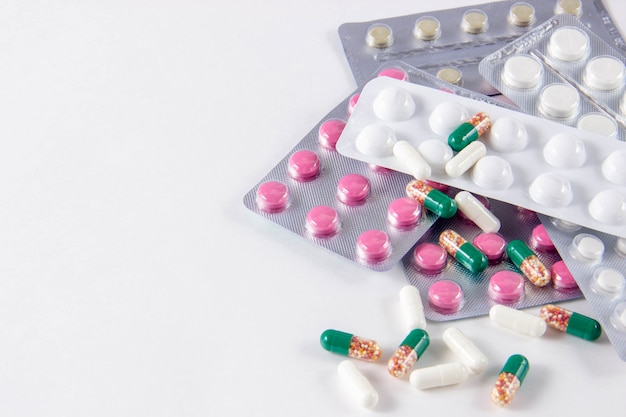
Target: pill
(587, 248)
(528, 262)
(411, 160)
(373, 246)
(438, 376)
(437, 185)
(608, 207)
(522, 14)
(598, 123)
(353, 189)
(474, 21)
(507, 135)
(376, 140)
(568, 44)
(395, 73)
(565, 150)
(483, 200)
(451, 75)
(510, 379)
(410, 350)
(360, 388)
(573, 7)
(620, 246)
(431, 198)
(379, 35)
(464, 160)
(446, 117)
(604, 73)
(551, 190)
(562, 278)
(608, 282)
(522, 71)
(322, 221)
(540, 239)
(427, 28)
(564, 225)
(394, 104)
(429, 258)
(347, 344)
(352, 103)
(272, 196)
(492, 245)
(329, 132)
(618, 317)
(560, 101)
(506, 287)
(403, 212)
(304, 165)
(445, 296)
(614, 167)
(469, 131)
(476, 211)
(436, 153)
(412, 308)
(465, 350)
(517, 320)
(570, 322)
(463, 251)
(492, 172)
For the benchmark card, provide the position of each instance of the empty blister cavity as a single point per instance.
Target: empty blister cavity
(446, 117)
(436, 154)
(522, 71)
(329, 132)
(608, 282)
(475, 21)
(608, 207)
(565, 151)
(404, 212)
(445, 296)
(568, 44)
(451, 75)
(598, 123)
(614, 167)
(492, 172)
(551, 190)
(353, 189)
(427, 28)
(373, 246)
(522, 14)
(508, 135)
(587, 248)
(272, 196)
(322, 221)
(376, 140)
(506, 287)
(559, 100)
(573, 7)
(604, 73)
(304, 165)
(379, 35)
(394, 104)
(429, 258)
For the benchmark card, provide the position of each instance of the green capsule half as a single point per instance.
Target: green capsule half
(463, 251)
(583, 327)
(469, 131)
(516, 365)
(347, 344)
(518, 251)
(440, 203)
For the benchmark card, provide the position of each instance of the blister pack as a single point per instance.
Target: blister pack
(597, 261)
(450, 43)
(563, 71)
(531, 162)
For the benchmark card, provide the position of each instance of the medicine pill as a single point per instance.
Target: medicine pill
(507, 134)
(614, 167)
(474, 210)
(427, 28)
(522, 14)
(358, 385)
(608, 207)
(598, 123)
(376, 140)
(510, 379)
(573, 7)
(540, 239)
(379, 35)
(445, 296)
(608, 282)
(394, 104)
(322, 221)
(412, 308)
(469, 131)
(565, 150)
(436, 154)
(329, 132)
(373, 246)
(429, 258)
(560, 101)
(492, 245)
(475, 21)
(587, 248)
(604, 73)
(562, 278)
(517, 320)
(463, 251)
(451, 75)
(353, 189)
(464, 160)
(568, 44)
(465, 350)
(411, 159)
(272, 196)
(528, 262)
(397, 73)
(570, 322)
(347, 344)
(433, 199)
(304, 165)
(492, 172)
(438, 376)
(506, 287)
(522, 71)
(446, 117)
(403, 212)
(410, 350)
(551, 189)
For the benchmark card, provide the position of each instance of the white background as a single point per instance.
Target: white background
(133, 281)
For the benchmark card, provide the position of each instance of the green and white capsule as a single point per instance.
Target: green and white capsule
(347, 344)
(463, 251)
(469, 131)
(409, 351)
(528, 262)
(571, 323)
(431, 198)
(510, 379)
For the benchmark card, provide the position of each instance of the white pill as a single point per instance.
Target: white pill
(608, 207)
(522, 71)
(565, 150)
(517, 320)
(604, 73)
(446, 117)
(376, 140)
(598, 123)
(568, 44)
(362, 392)
(492, 172)
(551, 190)
(438, 376)
(465, 350)
(477, 212)
(560, 101)
(394, 104)
(564, 225)
(412, 308)
(465, 159)
(587, 248)
(507, 135)
(620, 246)
(411, 160)
(614, 167)
(436, 153)
(608, 282)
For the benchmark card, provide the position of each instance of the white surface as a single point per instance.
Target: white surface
(133, 282)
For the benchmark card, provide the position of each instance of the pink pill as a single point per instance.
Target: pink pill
(272, 196)
(445, 296)
(353, 189)
(329, 132)
(322, 221)
(373, 245)
(429, 258)
(403, 212)
(304, 165)
(397, 73)
(562, 278)
(492, 245)
(540, 240)
(352, 103)
(506, 287)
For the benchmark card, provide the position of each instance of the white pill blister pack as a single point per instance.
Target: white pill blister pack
(450, 43)
(502, 154)
(563, 71)
(453, 287)
(597, 261)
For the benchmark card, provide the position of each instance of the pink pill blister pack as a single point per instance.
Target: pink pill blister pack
(597, 261)
(450, 290)
(563, 71)
(490, 150)
(450, 43)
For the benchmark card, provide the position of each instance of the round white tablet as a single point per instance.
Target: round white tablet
(614, 167)
(507, 135)
(394, 104)
(436, 153)
(620, 246)
(598, 123)
(551, 189)
(564, 225)
(587, 247)
(376, 140)
(522, 71)
(608, 207)
(559, 100)
(568, 44)
(446, 117)
(604, 73)
(492, 172)
(565, 150)
(610, 282)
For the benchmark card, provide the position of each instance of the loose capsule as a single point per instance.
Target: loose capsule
(465, 350)
(347, 344)
(510, 379)
(412, 307)
(463, 251)
(569, 322)
(431, 198)
(359, 386)
(477, 212)
(469, 131)
(438, 376)
(409, 351)
(527, 261)
(517, 320)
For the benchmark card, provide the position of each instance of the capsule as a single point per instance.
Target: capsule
(359, 386)
(469, 131)
(464, 160)
(477, 212)
(517, 320)
(527, 261)
(347, 344)
(431, 198)
(412, 307)
(409, 351)
(438, 376)
(412, 160)
(465, 350)
(569, 322)
(463, 251)
(510, 379)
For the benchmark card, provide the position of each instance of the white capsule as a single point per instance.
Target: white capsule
(465, 350)
(411, 159)
(438, 376)
(465, 159)
(517, 320)
(477, 212)
(359, 386)
(412, 308)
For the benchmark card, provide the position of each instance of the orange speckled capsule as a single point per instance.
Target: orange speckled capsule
(510, 379)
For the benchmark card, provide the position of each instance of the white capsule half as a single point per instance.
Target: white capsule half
(362, 392)
(465, 350)
(438, 376)
(517, 320)
(411, 159)
(412, 308)
(477, 212)
(465, 159)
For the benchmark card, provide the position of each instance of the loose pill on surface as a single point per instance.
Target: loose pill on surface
(474, 21)
(322, 221)
(427, 28)
(411, 159)
(510, 379)
(540, 239)
(438, 376)
(469, 131)
(412, 308)
(429, 258)
(464, 160)
(528, 262)
(410, 350)
(358, 385)
(353, 189)
(272, 196)
(562, 278)
(568, 44)
(465, 350)
(329, 132)
(492, 245)
(506, 287)
(522, 14)
(463, 251)
(379, 35)
(304, 165)
(403, 212)
(445, 296)
(560, 101)
(347, 344)
(570, 322)
(431, 198)
(517, 320)
(373, 246)
(476, 211)
(376, 140)
(522, 71)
